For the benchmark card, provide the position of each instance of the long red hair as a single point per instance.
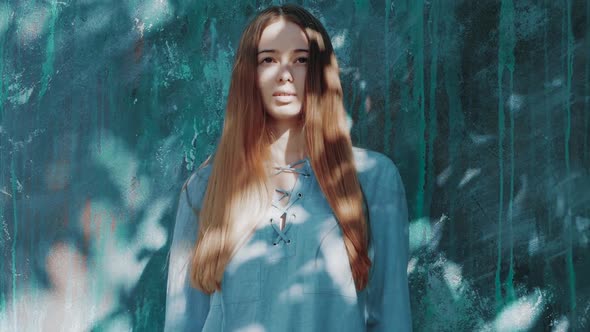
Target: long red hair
(237, 193)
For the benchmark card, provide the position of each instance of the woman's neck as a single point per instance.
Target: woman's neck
(288, 145)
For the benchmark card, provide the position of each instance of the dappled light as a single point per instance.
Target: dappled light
(338, 268)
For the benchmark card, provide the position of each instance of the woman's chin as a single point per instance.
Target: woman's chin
(285, 116)
(286, 112)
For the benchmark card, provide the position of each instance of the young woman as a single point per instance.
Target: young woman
(289, 228)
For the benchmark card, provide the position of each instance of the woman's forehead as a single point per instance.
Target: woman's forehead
(282, 35)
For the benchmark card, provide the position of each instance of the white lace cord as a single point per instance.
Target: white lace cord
(284, 192)
(290, 168)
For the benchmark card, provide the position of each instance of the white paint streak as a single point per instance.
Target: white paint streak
(522, 314)
(468, 176)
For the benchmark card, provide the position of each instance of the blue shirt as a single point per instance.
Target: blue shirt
(298, 278)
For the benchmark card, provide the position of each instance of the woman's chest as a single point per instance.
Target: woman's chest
(307, 256)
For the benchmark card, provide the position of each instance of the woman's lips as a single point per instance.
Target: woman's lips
(283, 98)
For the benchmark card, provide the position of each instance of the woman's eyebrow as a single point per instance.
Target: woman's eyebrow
(294, 51)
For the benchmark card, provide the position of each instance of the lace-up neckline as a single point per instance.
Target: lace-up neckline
(291, 196)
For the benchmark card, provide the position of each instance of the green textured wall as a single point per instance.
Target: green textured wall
(106, 106)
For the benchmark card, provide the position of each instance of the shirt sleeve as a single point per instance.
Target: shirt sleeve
(186, 307)
(388, 298)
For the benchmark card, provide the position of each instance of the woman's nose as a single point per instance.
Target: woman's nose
(285, 75)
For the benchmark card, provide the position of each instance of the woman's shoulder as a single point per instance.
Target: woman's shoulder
(375, 168)
(369, 161)
(196, 184)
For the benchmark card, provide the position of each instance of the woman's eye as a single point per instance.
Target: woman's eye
(302, 60)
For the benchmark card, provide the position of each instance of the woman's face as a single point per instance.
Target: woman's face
(282, 65)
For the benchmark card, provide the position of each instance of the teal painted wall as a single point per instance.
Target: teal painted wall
(106, 107)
